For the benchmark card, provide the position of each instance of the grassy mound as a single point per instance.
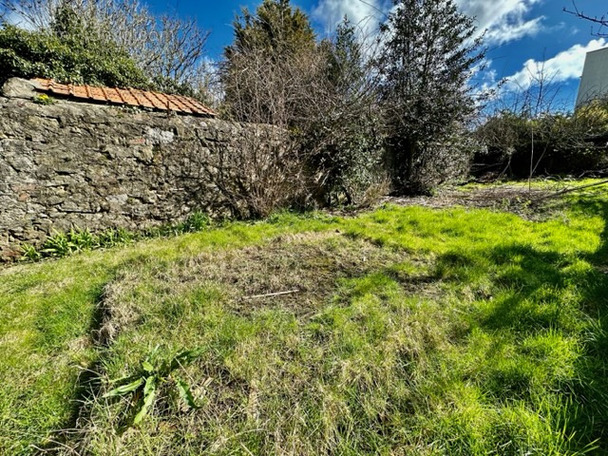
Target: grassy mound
(406, 330)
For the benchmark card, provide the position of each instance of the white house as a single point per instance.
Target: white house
(594, 82)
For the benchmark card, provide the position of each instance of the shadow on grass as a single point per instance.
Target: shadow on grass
(592, 392)
(535, 288)
(89, 382)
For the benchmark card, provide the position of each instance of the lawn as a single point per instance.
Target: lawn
(403, 330)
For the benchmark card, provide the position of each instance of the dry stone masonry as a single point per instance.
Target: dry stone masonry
(98, 166)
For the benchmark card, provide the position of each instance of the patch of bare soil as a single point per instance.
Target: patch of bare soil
(295, 272)
(531, 204)
(501, 197)
(298, 273)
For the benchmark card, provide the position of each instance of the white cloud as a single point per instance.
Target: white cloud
(564, 66)
(505, 20)
(506, 32)
(364, 14)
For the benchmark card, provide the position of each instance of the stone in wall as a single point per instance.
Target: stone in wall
(99, 166)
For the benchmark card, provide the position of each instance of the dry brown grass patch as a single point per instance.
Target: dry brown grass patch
(306, 265)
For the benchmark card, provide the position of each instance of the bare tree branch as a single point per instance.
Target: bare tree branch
(601, 21)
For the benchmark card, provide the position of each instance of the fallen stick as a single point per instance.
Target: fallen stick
(269, 295)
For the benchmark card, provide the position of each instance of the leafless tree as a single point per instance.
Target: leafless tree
(258, 173)
(264, 171)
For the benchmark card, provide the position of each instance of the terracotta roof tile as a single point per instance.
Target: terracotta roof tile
(79, 92)
(130, 97)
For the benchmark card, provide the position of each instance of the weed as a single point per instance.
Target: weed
(61, 244)
(197, 221)
(145, 383)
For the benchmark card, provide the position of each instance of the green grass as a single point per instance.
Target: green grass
(412, 331)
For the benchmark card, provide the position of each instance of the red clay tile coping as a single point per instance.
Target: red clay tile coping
(130, 97)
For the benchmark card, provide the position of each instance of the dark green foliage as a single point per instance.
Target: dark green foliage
(275, 73)
(268, 65)
(427, 59)
(350, 164)
(65, 57)
(347, 135)
(197, 221)
(112, 43)
(276, 27)
(345, 63)
(270, 75)
(513, 144)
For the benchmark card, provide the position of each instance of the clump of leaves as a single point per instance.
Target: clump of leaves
(144, 384)
(197, 221)
(30, 252)
(61, 244)
(62, 54)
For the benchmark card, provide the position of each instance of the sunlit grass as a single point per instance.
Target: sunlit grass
(411, 331)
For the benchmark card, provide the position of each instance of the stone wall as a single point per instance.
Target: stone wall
(99, 166)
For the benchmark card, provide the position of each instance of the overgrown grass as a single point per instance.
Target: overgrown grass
(409, 331)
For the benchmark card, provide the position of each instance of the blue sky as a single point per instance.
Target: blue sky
(521, 34)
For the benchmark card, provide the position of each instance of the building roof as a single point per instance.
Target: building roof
(129, 97)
